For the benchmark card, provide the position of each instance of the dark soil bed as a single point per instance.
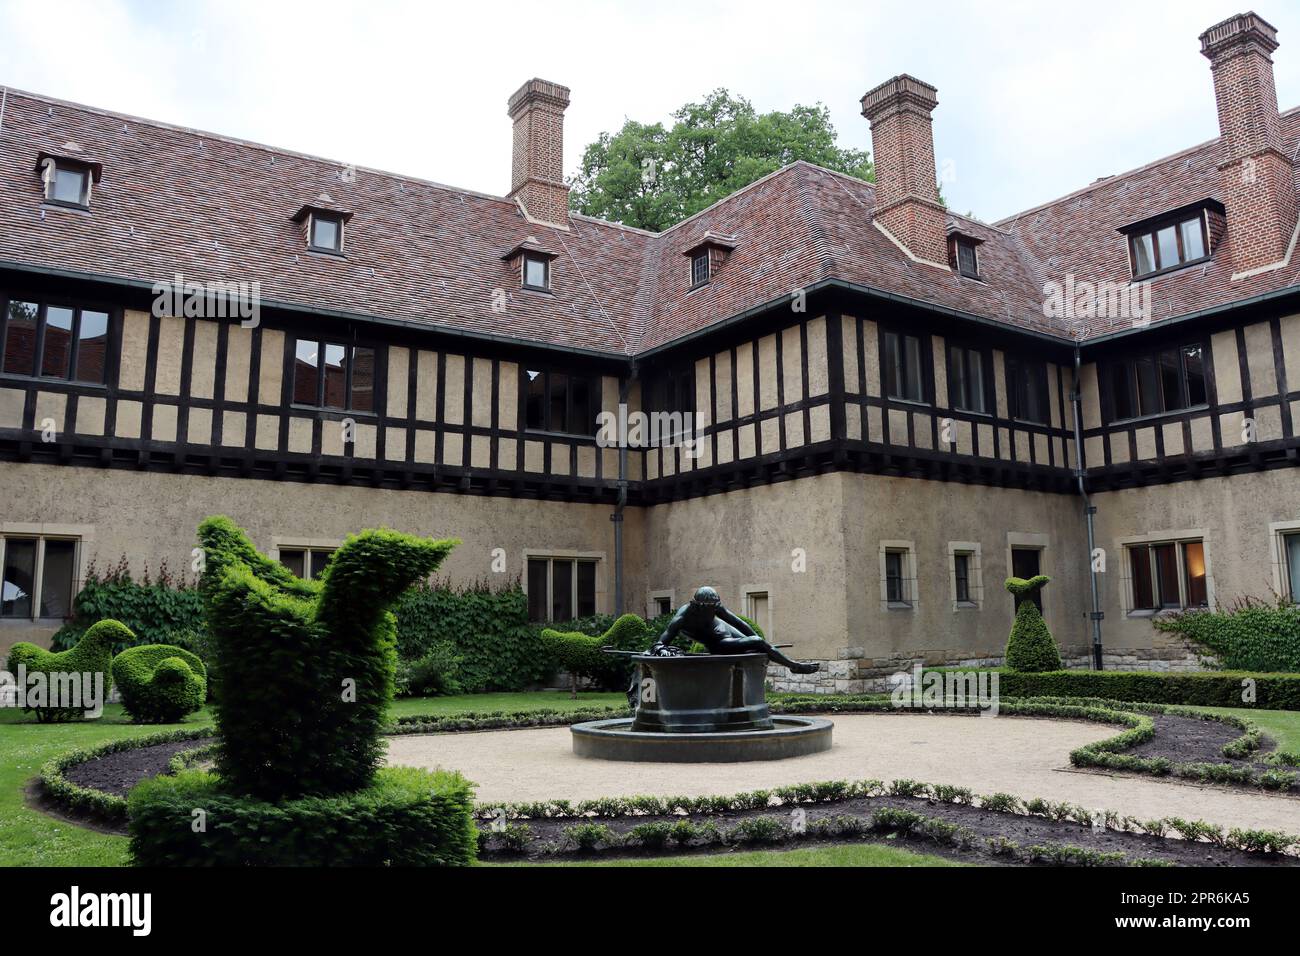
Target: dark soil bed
(1023, 830)
(1188, 740)
(117, 773)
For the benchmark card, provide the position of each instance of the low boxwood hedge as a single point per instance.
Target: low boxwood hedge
(406, 817)
(1197, 688)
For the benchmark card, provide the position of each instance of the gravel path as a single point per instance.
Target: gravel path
(1028, 757)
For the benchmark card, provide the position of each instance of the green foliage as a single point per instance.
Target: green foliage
(652, 177)
(160, 683)
(156, 611)
(433, 675)
(1251, 636)
(93, 654)
(1200, 688)
(307, 666)
(404, 817)
(1030, 646)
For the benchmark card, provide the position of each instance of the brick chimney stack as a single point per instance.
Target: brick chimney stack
(1255, 172)
(902, 142)
(537, 176)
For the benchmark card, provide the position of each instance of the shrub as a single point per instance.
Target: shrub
(433, 675)
(93, 654)
(585, 837)
(160, 684)
(307, 666)
(1030, 646)
(156, 611)
(1206, 688)
(575, 652)
(1251, 636)
(581, 655)
(405, 817)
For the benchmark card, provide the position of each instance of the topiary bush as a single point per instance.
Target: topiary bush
(157, 610)
(579, 654)
(306, 666)
(1030, 646)
(92, 655)
(1250, 636)
(159, 683)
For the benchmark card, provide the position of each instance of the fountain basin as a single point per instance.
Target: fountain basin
(617, 740)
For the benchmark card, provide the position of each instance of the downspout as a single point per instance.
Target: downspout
(1089, 510)
(621, 502)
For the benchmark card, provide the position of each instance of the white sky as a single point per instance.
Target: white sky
(1036, 98)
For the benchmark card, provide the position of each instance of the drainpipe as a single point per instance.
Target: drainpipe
(621, 503)
(1089, 510)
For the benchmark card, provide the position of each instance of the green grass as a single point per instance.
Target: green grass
(853, 854)
(481, 703)
(1282, 725)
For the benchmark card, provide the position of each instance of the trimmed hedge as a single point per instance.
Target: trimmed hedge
(1199, 688)
(1030, 646)
(1251, 636)
(406, 817)
(160, 683)
(92, 655)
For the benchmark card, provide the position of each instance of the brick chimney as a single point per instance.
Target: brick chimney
(537, 177)
(907, 197)
(1255, 172)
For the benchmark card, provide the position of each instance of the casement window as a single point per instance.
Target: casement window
(1290, 547)
(67, 182)
(1168, 244)
(536, 272)
(39, 577)
(961, 570)
(968, 379)
(306, 563)
(330, 375)
(561, 402)
(965, 575)
(672, 390)
(963, 256)
(54, 341)
(1167, 575)
(897, 575)
(325, 231)
(659, 603)
(699, 269)
(561, 588)
(1027, 393)
(1165, 381)
(904, 367)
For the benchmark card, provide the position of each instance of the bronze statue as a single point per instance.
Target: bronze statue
(707, 620)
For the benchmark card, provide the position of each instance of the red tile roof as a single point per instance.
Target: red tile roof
(214, 208)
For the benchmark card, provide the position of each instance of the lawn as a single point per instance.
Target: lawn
(1282, 725)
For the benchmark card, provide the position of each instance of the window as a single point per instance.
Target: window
(1169, 244)
(897, 575)
(329, 375)
(326, 232)
(659, 603)
(1027, 390)
(537, 272)
(895, 579)
(306, 563)
(967, 378)
(561, 402)
(964, 257)
(672, 391)
(39, 577)
(55, 341)
(903, 370)
(699, 269)
(759, 610)
(1164, 381)
(67, 182)
(1167, 575)
(1291, 566)
(561, 589)
(961, 571)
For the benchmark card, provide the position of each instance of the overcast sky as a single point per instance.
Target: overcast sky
(1036, 99)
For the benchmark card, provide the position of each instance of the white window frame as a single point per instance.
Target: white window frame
(1178, 538)
(975, 575)
(652, 597)
(595, 557)
(911, 598)
(80, 535)
(749, 590)
(1278, 531)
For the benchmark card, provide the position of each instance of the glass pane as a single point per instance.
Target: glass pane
(20, 338)
(536, 401)
(1171, 380)
(976, 401)
(58, 342)
(586, 588)
(69, 186)
(894, 576)
(1194, 362)
(1167, 243)
(966, 259)
(57, 575)
(17, 585)
(1037, 383)
(1292, 542)
(1144, 257)
(912, 384)
(336, 380)
(699, 269)
(325, 233)
(363, 380)
(559, 401)
(1167, 574)
(1148, 387)
(582, 420)
(320, 559)
(295, 561)
(92, 347)
(561, 590)
(958, 388)
(537, 589)
(1193, 239)
(1194, 565)
(893, 365)
(962, 565)
(1122, 391)
(306, 373)
(535, 272)
(1143, 595)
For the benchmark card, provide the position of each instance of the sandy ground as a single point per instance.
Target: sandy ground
(1023, 756)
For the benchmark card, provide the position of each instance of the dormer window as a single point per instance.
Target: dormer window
(1169, 241)
(68, 180)
(325, 226)
(537, 272)
(963, 256)
(699, 269)
(707, 257)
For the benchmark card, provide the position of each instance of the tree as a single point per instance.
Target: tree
(651, 177)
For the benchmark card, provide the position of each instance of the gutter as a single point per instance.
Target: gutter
(620, 607)
(1089, 510)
